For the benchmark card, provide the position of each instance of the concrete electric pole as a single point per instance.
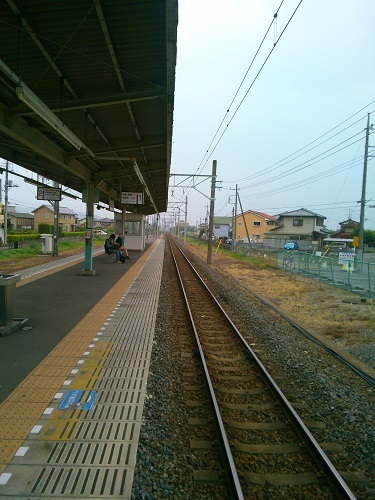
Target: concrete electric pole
(363, 197)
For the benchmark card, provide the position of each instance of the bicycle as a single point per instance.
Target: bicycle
(288, 263)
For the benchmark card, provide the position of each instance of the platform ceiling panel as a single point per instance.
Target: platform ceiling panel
(87, 94)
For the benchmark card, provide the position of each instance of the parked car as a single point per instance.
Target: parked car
(229, 241)
(100, 231)
(291, 245)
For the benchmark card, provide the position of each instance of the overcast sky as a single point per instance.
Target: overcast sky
(320, 73)
(286, 124)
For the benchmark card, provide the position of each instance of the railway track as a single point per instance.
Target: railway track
(263, 441)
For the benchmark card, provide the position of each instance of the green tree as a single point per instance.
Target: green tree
(368, 236)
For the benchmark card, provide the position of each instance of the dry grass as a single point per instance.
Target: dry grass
(317, 307)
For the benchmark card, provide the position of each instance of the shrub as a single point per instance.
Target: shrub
(23, 237)
(48, 229)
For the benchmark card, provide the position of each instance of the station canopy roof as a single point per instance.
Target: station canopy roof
(87, 94)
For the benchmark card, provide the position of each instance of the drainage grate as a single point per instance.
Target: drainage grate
(82, 481)
(91, 453)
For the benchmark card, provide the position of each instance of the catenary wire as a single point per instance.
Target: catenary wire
(254, 80)
(271, 167)
(309, 162)
(240, 86)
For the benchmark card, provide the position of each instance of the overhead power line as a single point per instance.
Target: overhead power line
(243, 79)
(294, 156)
(310, 162)
(254, 80)
(203, 161)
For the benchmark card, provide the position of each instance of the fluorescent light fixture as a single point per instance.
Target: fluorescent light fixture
(143, 182)
(33, 102)
(112, 158)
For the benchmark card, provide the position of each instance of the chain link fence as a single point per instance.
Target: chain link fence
(353, 275)
(356, 276)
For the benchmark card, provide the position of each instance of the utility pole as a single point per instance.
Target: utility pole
(244, 220)
(363, 197)
(186, 207)
(212, 210)
(235, 217)
(56, 216)
(232, 226)
(6, 205)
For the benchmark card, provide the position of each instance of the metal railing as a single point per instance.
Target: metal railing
(356, 276)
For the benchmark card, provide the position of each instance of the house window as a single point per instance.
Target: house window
(256, 236)
(47, 216)
(297, 222)
(257, 223)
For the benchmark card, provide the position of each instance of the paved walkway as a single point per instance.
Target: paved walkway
(73, 385)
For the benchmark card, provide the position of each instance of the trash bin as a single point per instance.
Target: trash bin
(15, 245)
(46, 243)
(7, 293)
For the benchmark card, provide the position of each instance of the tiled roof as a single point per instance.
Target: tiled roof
(261, 214)
(302, 212)
(222, 220)
(62, 210)
(20, 215)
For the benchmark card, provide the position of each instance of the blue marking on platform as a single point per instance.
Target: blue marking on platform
(90, 402)
(70, 398)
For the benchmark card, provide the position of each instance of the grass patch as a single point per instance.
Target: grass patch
(238, 256)
(35, 249)
(20, 253)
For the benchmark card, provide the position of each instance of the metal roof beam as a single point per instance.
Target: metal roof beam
(18, 130)
(131, 147)
(110, 100)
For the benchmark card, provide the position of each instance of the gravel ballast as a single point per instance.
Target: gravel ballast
(324, 390)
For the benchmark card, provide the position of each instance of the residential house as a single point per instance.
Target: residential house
(106, 222)
(222, 227)
(45, 215)
(253, 225)
(21, 220)
(16, 220)
(98, 223)
(346, 229)
(303, 226)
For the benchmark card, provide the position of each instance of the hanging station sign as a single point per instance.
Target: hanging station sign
(131, 198)
(50, 194)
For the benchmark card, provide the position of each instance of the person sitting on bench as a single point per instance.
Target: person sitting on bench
(111, 247)
(119, 241)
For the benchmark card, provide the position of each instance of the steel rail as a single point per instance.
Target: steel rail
(336, 482)
(365, 376)
(233, 482)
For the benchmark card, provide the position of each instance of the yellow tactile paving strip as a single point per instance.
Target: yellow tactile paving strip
(56, 267)
(20, 411)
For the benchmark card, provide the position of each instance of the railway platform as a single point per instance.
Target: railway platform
(73, 379)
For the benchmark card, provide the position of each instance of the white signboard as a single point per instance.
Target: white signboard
(131, 198)
(52, 194)
(345, 257)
